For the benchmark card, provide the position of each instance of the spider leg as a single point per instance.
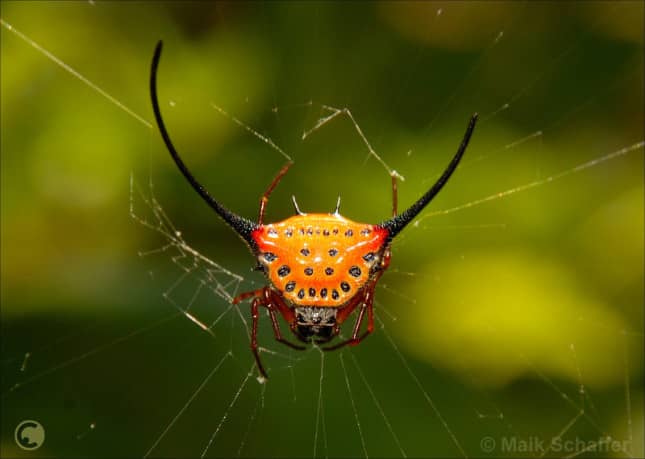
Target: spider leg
(367, 305)
(342, 315)
(395, 196)
(278, 333)
(265, 197)
(274, 303)
(265, 297)
(243, 296)
(255, 315)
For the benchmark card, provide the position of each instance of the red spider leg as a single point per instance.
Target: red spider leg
(274, 302)
(243, 296)
(395, 196)
(367, 301)
(346, 311)
(267, 298)
(265, 197)
(255, 315)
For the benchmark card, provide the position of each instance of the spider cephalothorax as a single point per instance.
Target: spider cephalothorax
(315, 321)
(320, 267)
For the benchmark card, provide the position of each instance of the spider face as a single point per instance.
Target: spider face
(320, 267)
(312, 321)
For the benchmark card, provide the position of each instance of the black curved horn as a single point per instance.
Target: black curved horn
(241, 225)
(397, 223)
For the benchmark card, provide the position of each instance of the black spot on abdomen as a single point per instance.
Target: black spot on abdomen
(369, 257)
(270, 256)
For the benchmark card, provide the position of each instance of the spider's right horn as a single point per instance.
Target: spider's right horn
(398, 222)
(241, 225)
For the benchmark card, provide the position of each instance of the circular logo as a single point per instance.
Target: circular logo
(487, 444)
(29, 435)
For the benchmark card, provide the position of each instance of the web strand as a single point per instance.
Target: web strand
(87, 354)
(73, 72)
(335, 112)
(354, 410)
(226, 413)
(320, 412)
(426, 396)
(249, 129)
(378, 406)
(187, 404)
(503, 194)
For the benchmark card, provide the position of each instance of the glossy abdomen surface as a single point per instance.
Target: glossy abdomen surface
(319, 259)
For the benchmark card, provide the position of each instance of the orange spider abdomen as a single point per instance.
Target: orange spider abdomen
(319, 259)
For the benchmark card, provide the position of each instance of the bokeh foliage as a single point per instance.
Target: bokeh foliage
(491, 305)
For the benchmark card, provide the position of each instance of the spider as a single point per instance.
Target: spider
(320, 267)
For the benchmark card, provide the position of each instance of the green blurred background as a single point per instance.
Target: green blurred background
(520, 317)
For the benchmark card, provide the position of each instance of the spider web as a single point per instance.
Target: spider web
(343, 403)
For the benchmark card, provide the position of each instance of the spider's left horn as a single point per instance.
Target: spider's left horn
(241, 225)
(397, 223)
